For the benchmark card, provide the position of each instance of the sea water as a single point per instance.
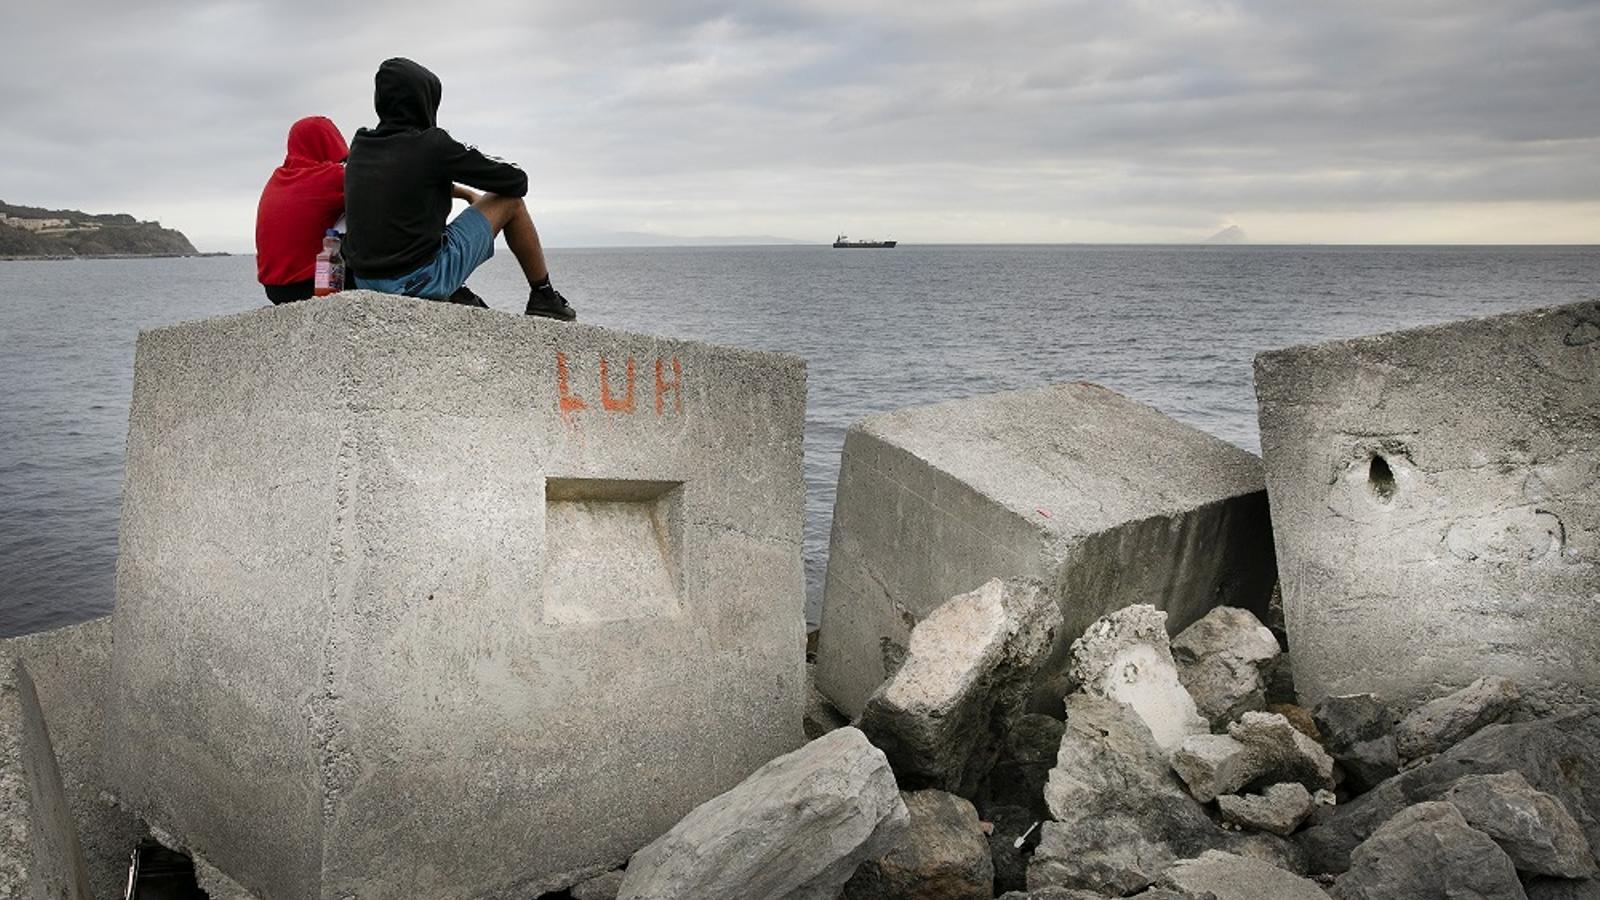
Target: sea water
(1175, 327)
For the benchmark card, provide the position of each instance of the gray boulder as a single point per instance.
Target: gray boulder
(1126, 657)
(1438, 725)
(1358, 732)
(968, 670)
(1223, 660)
(1429, 852)
(1230, 877)
(795, 829)
(1556, 756)
(38, 836)
(1279, 809)
(1562, 889)
(1259, 748)
(943, 855)
(1120, 816)
(1532, 827)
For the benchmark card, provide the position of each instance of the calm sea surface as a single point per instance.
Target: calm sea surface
(1175, 327)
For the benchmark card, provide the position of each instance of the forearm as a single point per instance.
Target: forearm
(462, 192)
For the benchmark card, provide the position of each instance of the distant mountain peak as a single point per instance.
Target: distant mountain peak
(1231, 234)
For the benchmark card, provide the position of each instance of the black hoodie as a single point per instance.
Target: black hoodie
(397, 182)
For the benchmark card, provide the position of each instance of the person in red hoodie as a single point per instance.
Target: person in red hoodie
(302, 200)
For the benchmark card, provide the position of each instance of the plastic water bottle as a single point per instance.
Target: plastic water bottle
(330, 266)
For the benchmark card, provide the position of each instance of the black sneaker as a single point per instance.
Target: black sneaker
(465, 296)
(547, 301)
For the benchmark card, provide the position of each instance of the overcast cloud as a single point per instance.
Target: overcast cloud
(1150, 120)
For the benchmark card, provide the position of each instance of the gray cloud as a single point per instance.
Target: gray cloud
(1072, 120)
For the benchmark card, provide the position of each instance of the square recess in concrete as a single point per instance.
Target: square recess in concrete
(613, 550)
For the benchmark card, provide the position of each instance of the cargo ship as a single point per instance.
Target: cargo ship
(843, 242)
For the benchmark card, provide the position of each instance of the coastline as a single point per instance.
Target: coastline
(67, 256)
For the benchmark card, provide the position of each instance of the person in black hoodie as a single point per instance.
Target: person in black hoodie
(398, 186)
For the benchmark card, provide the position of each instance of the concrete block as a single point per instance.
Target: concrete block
(1106, 501)
(68, 668)
(417, 600)
(1436, 500)
(42, 857)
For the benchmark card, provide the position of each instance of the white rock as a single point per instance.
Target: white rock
(1126, 657)
(967, 673)
(794, 830)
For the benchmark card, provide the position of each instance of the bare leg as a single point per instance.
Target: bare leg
(510, 215)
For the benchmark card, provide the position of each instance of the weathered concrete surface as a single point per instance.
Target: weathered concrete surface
(398, 578)
(1105, 500)
(1124, 657)
(1436, 503)
(39, 852)
(796, 829)
(941, 717)
(69, 667)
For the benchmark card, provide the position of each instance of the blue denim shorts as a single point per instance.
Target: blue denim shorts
(468, 242)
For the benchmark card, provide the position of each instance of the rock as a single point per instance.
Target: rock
(1429, 852)
(796, 829)
(1438, 725)
(1299, 717)
(1279, 809)
(1556, 756)
(601, 887)
(1358, 732)
(1532, 827)
(943, 855)
(820, 716)
(1268, 848)
(1054, 893)
(1011, 823)
(1562, 889)
(1120, 815)
(1231, 877)
(1125, 657)
(1026, 757)
(967, 673)
(1221, 662)
(1260, 747)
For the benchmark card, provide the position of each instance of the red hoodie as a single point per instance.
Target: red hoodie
(301, 201)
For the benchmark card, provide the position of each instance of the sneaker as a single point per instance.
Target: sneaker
(547, 301)
(466, 297)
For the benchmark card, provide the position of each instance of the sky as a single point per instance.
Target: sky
(1435, 121)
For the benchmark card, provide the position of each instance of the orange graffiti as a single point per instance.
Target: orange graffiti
(675, 386)
(625, 405)
(569, 403)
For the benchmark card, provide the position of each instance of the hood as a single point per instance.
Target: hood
(407, 95)
(313, 140)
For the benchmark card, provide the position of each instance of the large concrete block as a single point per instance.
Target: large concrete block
(1436, 500)
(67, 668)
(1106, 501)
(40, 858)
(420, 601)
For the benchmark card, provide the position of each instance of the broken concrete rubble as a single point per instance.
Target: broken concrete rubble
(1223, 662)
(968, 671)
(1227, 876)
(1436, 502)
(795, 829)
(1105, 500)
(943, 855)
(1358, 732)
(1442, 723)
(387, 555)
(1279, 809)
(1124, 656)
(1260, 747)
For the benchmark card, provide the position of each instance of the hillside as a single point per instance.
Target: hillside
(27, 231)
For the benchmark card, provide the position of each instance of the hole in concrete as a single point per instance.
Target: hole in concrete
(1381, 479)
(612, 550)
